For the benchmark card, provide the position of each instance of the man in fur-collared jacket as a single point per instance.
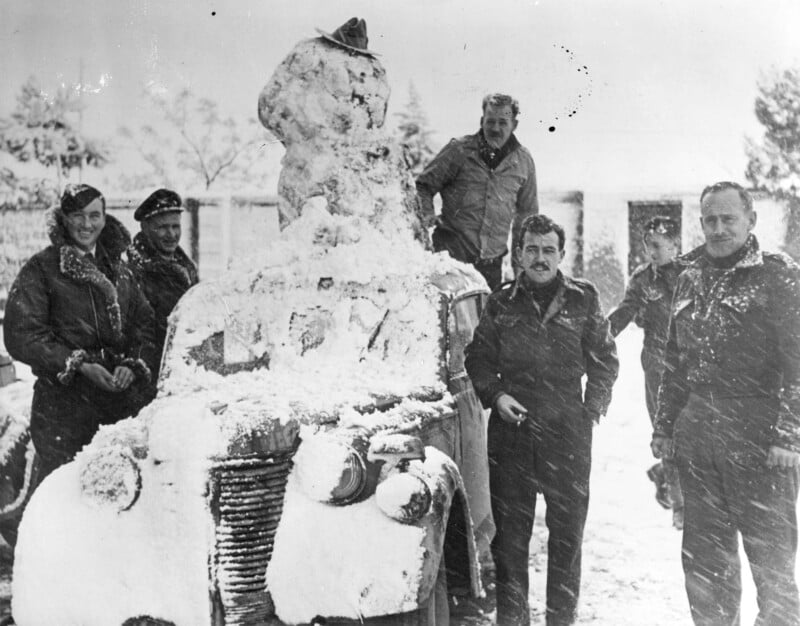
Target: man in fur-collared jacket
(163, 269)
(76, 315)
(729, 413)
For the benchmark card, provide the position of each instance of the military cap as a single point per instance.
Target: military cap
(662, 225)
(158, 202)
(78, 197)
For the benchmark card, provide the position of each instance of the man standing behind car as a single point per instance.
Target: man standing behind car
(76, 315)
(647, 303)
(536, 339)
(486, 180)
(729, 408)
(163, 269)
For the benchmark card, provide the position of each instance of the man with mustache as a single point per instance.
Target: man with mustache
(486, 181)
(535, 341)
(729, 413)
(163, 269)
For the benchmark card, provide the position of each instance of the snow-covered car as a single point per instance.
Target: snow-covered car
(301, 461)
(18, 460)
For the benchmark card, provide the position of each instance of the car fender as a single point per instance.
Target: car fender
(354, 561)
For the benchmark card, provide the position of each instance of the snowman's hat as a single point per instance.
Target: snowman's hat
(352, 35)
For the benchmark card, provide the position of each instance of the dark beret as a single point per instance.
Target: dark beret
(78, 197)
(158, 202)
(663, 226)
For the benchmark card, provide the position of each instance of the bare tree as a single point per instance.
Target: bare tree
(193, 137)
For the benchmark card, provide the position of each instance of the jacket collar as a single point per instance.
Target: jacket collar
(753, 256)
(113, 239)
(567, 282)
(143, 256)
(696, 261)
(71, 263)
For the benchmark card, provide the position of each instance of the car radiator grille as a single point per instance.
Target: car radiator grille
(246, 502)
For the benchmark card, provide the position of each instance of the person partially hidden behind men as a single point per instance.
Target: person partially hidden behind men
(535, 341)
(162, 268)
(486, 181)
(729, 409)
(76, 315)
(647, 302)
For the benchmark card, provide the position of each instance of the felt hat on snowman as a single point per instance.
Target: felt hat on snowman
(352, 36)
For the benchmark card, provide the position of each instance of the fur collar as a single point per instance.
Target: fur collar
(113, 240)
(144, 258)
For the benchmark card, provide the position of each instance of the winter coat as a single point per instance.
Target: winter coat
(163, 280)
(479, 204)
(541, 357)
(736, 334)
(63, 310)
(647, 303)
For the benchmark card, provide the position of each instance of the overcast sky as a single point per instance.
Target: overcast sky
(664, 100)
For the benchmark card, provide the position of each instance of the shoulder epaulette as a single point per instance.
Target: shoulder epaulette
(779, 258)
(584, 283)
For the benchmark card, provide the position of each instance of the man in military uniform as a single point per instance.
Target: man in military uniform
(647, 303)
(729, 409)
(77, 316)
(163, 269)
(535, 341)
(487, 181)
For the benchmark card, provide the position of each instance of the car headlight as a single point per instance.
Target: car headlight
(330, 470)
(403, 497)
(110, 478)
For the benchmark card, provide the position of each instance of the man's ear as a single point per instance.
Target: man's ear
(562, 254)
(753, 219)
(514, 125)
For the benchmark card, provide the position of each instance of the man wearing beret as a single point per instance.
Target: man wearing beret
(487, 181)
(77, 316)
(647, 303)
(163, 269)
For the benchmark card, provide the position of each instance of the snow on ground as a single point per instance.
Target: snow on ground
(631, 566)
(632, 572)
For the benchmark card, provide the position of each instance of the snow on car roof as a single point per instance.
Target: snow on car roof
(319, 328)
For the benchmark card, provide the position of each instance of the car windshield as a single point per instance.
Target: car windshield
(360, 345)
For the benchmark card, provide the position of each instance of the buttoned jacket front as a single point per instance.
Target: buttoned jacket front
(536, 356)
(479, 203)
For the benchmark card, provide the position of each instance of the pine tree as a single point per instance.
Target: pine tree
(41, 129)
(774, 161)
(413, 133)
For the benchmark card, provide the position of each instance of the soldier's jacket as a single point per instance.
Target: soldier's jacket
(736, 337)
(163, 281)
(534, 356)
(647, 303)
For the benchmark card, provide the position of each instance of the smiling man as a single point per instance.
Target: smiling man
(535, 341)
(76, 315)
(729, 411)
(647, 301)
(163, 269)
(486, 181)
